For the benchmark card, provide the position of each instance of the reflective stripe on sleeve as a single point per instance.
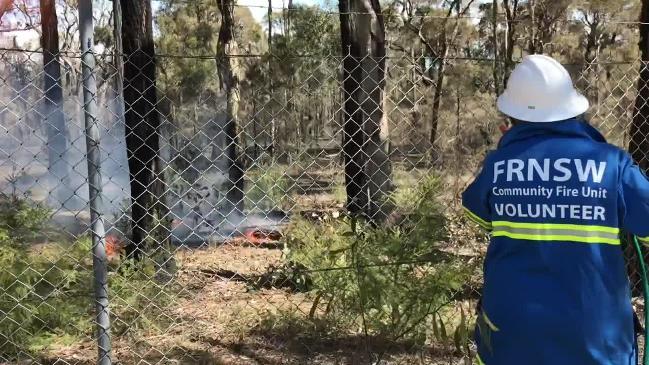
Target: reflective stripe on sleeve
(644, 240)
(474, 217)
(479, 360)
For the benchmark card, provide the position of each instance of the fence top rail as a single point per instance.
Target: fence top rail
(74, 54)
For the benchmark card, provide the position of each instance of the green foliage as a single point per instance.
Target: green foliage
(303, 71)
(46, 291)
(20, 220)
(314, 33)
(35, 288)
(267, 189)
(386, 280)
(137, 298)
(191, 29)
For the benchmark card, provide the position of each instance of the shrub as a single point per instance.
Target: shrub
(388, 280)
(35, 288)
(139, 295)
(267, 189)
(21, 220)
(46, 292)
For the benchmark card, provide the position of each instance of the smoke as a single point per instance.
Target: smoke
(43, 159)
(198, 198)
(45, 162)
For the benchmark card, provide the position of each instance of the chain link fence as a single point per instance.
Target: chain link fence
(203, 221)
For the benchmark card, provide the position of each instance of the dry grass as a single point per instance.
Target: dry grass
(221, 320)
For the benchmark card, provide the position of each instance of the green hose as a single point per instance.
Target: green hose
(645, 294)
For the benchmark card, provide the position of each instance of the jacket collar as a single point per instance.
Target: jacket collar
(575, 128)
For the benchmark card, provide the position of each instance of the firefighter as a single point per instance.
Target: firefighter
(555, 197)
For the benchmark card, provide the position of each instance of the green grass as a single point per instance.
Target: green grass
(267, 189)
(46, 295)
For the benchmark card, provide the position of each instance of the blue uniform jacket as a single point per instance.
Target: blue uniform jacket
(555, 197)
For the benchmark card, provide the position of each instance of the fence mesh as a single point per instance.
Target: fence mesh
(227, 206)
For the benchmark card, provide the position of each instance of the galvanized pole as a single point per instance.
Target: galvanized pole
(99, 261)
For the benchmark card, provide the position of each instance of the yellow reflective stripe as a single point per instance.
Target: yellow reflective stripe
(644, 240)
(486, 226)
(549, 226)
(474, 217)
(542, 237)
(557, 232)
(480, 362)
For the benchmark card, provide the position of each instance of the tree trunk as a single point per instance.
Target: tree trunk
(5, 6)
(351, 118)
(141, 118)
(270, 26)
(533, 41)
(511, 14)
(597, 77)
(639, 130)
(288, 16)
(441, 75)
(117, 60)
(228, 68)
(589, 74)
(54, 117)
(255, 133)
(437, 97)
(494, 15)
(286, 12)
(117, 52)
(271, 90)
(367, 166)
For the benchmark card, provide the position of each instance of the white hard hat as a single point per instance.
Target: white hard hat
(541, 90)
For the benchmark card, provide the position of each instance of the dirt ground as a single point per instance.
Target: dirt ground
(218, 319)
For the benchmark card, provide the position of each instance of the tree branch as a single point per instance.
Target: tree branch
(423, 40)
(466, 8)
(24, 10)
(422, 73)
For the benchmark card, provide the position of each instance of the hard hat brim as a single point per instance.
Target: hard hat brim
(573, 106)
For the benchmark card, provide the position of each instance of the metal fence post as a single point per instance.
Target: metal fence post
(94, 182)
